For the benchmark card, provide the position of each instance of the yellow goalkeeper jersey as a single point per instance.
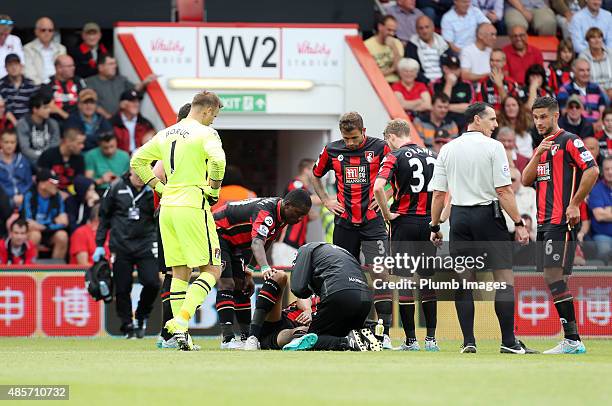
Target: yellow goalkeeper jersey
(192, 153)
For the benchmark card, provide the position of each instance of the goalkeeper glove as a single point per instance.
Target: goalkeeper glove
(159, 188)
(212, 195)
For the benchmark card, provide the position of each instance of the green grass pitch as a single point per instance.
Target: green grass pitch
(113, 371)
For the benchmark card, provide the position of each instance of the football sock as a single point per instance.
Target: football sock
(242, 307)
(429, 304)
(196, 293)
(504, 309)
(178, 290)
(267, 297)
(406, 312)
(383, 305)
(464, 304)
(564, 302)
(225, 309)
(166, 305)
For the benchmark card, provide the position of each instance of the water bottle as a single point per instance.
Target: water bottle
(379, 330)
(104, 289)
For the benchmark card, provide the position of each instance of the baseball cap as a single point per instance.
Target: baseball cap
(45, 174)
(449, 59)
(12, 58)
(88, 94)
(575, 99)
(129, 95)
(90, 27)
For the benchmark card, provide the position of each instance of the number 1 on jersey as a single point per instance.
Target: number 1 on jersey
(172, 156)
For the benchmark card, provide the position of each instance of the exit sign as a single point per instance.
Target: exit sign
(243, 103)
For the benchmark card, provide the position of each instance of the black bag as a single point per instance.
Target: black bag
(99, 281)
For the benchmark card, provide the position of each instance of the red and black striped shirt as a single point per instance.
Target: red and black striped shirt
(487, 92)
(355, 174)
(605, 143)
(558, 176)
(295, 235)
(409, 169)
(292, 311)
(241, 221)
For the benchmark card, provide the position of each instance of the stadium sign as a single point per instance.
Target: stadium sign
(244, 103)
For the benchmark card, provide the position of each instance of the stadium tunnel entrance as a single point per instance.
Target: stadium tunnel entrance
(268, 159)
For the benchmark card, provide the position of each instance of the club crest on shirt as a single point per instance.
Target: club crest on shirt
(554, 149)
(340, 157)
(369, 156)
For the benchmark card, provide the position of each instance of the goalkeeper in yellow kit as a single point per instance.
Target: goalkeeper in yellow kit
(194, 163)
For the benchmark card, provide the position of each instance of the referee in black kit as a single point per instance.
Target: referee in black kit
(474, 169)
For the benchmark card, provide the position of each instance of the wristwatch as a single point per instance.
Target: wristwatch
(519, 223)
(434, 229)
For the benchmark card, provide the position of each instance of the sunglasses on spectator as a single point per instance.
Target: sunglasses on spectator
(6, 22)
(573, 106)
(46, 29)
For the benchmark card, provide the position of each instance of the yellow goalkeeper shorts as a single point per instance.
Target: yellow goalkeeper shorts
(189, 237)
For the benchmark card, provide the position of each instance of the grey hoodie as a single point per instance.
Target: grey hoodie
(34, 139)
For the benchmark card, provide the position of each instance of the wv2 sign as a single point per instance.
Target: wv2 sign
(239, 53)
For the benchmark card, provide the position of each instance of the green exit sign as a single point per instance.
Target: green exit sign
(243, 103)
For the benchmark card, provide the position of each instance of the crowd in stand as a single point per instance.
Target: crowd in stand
(441, 56)
(68, 124)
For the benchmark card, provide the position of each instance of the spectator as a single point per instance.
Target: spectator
(600, 203)
(92, 124)
(413, 96)
(106, 163)
(534, 13)
(520, 55)
(17, 249)
(16, 89)
(565, 10)
(514, 115)
(385, 48)
(87, 54)
(406, 15)
(128, 124)
(78, 205)
(64, 88)
(43, 208)
(560, 70)
(604, 136)
(459, 24)
(425, 47)
(525, 199)
(475, 57)
(592, 144)
(590, 16)
(496, 86)
(572, 119)
(593, 98)
(109, 85)
(65, 160)
(461, 93)
(507, 137)
(436, 123)
(600, 60)
(536, 85)
(434, 9)
(36, 131)
(83, 240)
(15, 170)
(7, 120)
(494, 11)
(41, 53)
(9, 44)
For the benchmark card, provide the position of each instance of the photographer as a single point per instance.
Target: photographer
(127, 211)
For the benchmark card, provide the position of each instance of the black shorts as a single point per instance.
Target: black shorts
(161, 259)
(341, 312)
(555, 248)
(370, 237)
(410, 235)
(232, 261)
(46, 236)
(270, 331)
(481, 231)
